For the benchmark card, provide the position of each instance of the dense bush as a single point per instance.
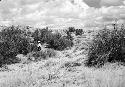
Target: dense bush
(79, 32)
(60, 44)
(71, 29)
(41, 34)
(36, 35)
(107, 46)
(7, 56)
(13, 42)
(32, 47)
(54, 40)
(68, 35)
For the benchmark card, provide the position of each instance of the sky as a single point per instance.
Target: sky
(57, 12)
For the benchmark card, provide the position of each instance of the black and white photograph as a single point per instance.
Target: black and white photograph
(62, 43)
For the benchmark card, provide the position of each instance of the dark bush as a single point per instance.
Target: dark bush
(54, 40)
(13, 42)
(60, 44)
(15, 38)
(68, 35)
(41, 34)
(107, 46)
(79, 32)
(71, 29)
(36, 35)
(7, 54)
(32, 47)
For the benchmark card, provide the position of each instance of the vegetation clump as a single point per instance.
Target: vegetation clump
(71, 29)
(13, 41)
(108, 45)
(79, 32)
(54, 40)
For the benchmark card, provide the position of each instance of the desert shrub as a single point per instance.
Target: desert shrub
(107, 46)
(32, 47)
(54, 40)
(66, 43)
(68, 35)
(41, 34)
(36, 35)
(13, 42)
(79, 32)
(60, 44)
(48, 37)
(18, 42)
(8, 33)
(7, 55)
(71, 29)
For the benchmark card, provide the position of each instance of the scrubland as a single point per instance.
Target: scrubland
(65, 69)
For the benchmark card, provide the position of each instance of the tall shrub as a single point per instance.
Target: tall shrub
(107, 46)
(54, 40)
(13, 42)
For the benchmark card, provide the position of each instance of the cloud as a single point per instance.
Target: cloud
(111, 2)
(114, 12)
(93, 3)
(100, 3)
(45, 11)
(36, 12)
(107, 15)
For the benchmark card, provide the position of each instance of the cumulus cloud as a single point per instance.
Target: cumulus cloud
(93, 3)
(112, 13)
(111, 2)
(45, 11)
(36, 12)
(100, 3)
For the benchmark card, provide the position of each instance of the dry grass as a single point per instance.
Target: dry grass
(60, 72)
(54, 73)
